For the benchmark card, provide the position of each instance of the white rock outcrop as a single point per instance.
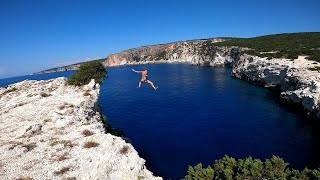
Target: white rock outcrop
(50, 130)
(298, 80)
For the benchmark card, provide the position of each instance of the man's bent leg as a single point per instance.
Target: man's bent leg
(151, 83)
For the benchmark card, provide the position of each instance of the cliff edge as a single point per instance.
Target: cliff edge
(50, 130)
(298, 80)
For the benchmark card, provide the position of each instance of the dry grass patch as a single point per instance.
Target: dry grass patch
(71, 178)
(44, 94)
(65, 143)
(32, 130)
(63, 156)
(65, 105)
(61, 107)
(87, 93)
(47, 120)
(31, 164)
(29, 146)
(1, 166)
(62, 171)
(90, 144)
(14, 144)
(24, 178)
(124, 150)
(87, 132)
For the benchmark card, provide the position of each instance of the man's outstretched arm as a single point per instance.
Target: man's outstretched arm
(136, 71)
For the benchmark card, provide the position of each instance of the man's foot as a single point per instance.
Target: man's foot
(156, 88)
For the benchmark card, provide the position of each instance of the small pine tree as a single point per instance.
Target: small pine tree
(225, 167)
(87, 71)
(199, 173)
(249, 169)
(276, 168)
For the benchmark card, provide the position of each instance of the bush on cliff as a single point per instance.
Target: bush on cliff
(87, 71)
(229, 168)
(289, 45)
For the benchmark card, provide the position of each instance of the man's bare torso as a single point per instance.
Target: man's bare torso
(144, 75)
(144, 79)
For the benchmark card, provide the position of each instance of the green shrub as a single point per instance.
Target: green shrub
(199, 173)
(250, 169)
(87, 71)
(275, 168)
(289, 45)
(160, 55)
(11, 90)
(225, 168)
(314, 68)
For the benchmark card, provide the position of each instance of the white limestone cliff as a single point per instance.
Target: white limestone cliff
(298, 80)
(50, 130)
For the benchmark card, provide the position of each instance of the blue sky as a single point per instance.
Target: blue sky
(41, 34)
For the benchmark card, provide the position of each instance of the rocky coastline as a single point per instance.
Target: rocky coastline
(297, 80)
(51, 130)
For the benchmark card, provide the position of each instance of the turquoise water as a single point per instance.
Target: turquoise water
(199, 114)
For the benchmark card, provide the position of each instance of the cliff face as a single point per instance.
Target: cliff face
(298, 80)
(49, 130)
(196, 52)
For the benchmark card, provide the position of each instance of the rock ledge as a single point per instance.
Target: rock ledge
(50, 130)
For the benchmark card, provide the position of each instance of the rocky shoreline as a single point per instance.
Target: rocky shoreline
(297, 80)
(50, 130)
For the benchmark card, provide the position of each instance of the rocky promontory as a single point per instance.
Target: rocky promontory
(298, 80)
(51, 130)
(196, 52)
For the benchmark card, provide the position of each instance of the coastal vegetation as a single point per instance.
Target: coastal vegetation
(160, 55)
(315, 68)
(90, 144)
(87, 133)
(124, 150)
(288, 45)
(87, 71)
(229, 168)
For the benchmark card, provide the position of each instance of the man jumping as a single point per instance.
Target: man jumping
(144, 79)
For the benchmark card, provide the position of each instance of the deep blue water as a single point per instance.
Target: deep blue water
(199, 114)
(7, 81)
